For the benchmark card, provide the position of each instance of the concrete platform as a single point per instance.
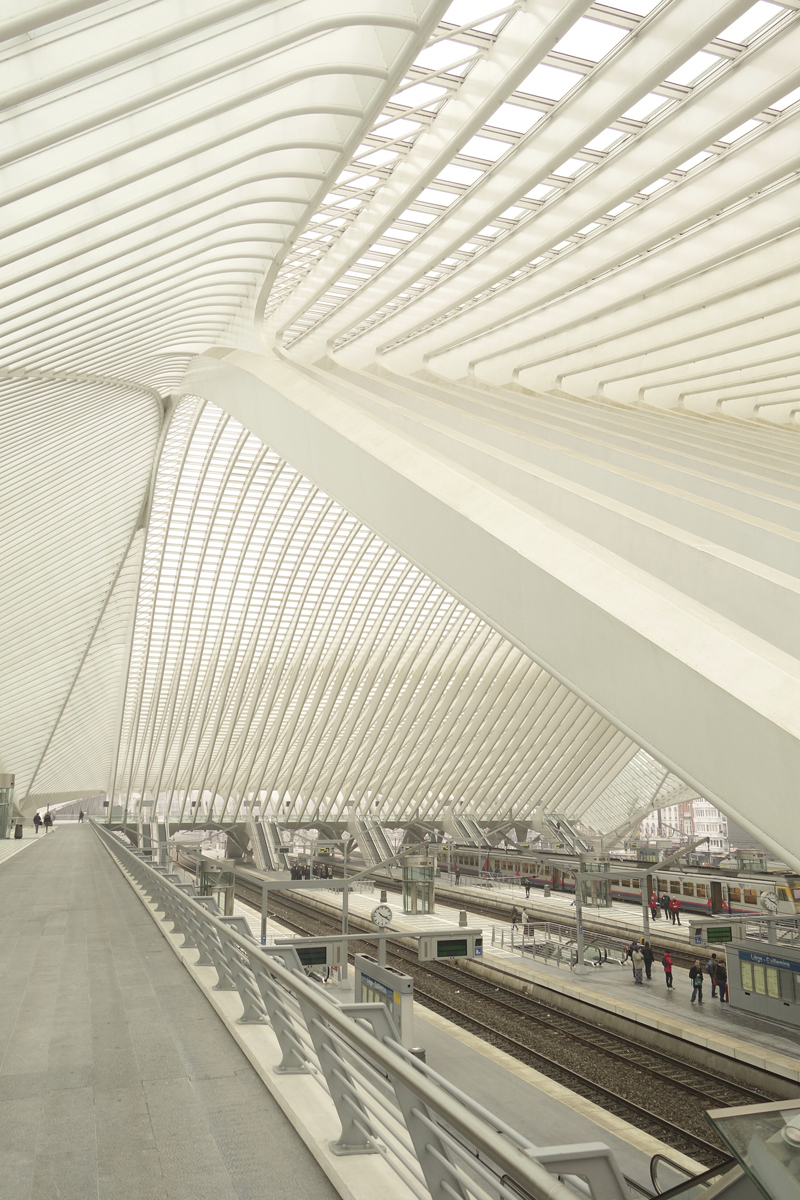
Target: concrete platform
(712, 1026)
(11, 846)
(117, 1079)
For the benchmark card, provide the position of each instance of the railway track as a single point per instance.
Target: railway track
(657, 1092)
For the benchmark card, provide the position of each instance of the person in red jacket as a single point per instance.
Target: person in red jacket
(667, 961)
(675, 910)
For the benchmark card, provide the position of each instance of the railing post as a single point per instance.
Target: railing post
(351, 1140)
(293, 1060)
(429, 1148)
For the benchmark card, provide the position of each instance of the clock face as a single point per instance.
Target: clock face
(381, 916)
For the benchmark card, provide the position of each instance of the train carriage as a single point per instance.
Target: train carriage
(699, 890)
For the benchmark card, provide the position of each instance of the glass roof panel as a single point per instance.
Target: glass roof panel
(746, 26)
(515, 118)
(590, 39)
(553, 83)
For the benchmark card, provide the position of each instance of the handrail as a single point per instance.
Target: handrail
(343, 1045)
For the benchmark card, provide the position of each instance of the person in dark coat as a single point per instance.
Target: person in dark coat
(665, 905)
(722, 982)
(696, 976)
(647, 954)
(48, 822)
(37, 822)
(711, 971)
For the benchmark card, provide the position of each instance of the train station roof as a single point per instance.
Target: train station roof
(473, 323)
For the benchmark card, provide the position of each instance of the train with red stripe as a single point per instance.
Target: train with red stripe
(700, 890)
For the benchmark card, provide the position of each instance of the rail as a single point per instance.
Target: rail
(438, 1141)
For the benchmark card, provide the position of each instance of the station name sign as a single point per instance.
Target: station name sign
(769, 960)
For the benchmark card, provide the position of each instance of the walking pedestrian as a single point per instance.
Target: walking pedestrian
(527, 884)
(48, 822)
(80, 816)
(637, 958)
(514, 918)
(667, 961)
(629, 954)
(648, 956)
(37, 822)
(675, 910)
(722, 982)
(457, 875)
(696, 976)
(524, 918)
(711, 971)
(654, 907)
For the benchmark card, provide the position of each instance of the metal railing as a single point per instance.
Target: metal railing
(439, 1141)
(551, 942)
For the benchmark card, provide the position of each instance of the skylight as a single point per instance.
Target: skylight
(590, 39)
(740, 131)
(484, 147)
(552, 83)
(643, 109)
(515, 118)
(453, 173)
(605, 139)
(419, 94)
(746, 26)
(443, 55)
(690, 71)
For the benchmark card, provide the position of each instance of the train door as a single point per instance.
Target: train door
(716, 896)
(649, 885)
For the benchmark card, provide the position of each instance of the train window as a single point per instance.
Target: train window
(750, 896)
(796, 893)
(625, 883)
(783, 893)
(615, 883)
(662, 885)
(675, 887)
(688, 889)
(734, 895)
(701, 891)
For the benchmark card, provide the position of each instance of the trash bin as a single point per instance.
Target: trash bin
(547, 889)
(18, 830)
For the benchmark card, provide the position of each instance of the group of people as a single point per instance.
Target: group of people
(47, 821)
(669, 905)
(519, 918)
(642, 958)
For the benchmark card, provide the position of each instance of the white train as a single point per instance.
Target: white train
(699, 889)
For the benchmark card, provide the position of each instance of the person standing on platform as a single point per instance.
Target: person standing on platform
(37, 822)
(654, 907)
(524, 919)
(638, 960)
(675, 910)
(48, 822)
(722, 982)
(527, 885)
(711, 971)
(665, 905)
(667, 961)
(696, 976)
(514, 918)
(80, 816)
(457, 875)
(648, 956)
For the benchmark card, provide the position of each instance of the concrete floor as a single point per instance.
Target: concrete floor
(117, 1079)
